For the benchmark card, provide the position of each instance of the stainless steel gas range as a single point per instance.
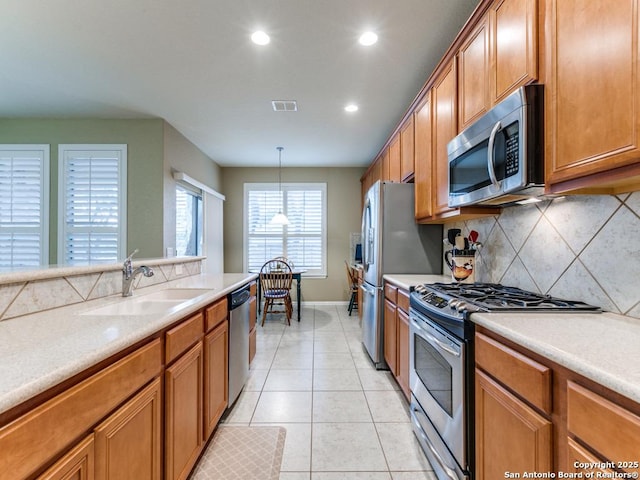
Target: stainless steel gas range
(442, 364)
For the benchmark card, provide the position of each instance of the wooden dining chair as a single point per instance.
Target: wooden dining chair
(352, 280)
(275, 280)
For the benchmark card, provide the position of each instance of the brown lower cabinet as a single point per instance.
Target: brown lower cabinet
(145, 416)
(533, 415)
(77, 464)
(396, 335)
(183, 413)
(128, 444)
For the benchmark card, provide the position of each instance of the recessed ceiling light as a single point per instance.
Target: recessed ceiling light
(260, 38)
(352, 107)
(368, 38)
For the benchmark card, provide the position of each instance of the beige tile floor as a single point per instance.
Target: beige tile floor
(344, 419)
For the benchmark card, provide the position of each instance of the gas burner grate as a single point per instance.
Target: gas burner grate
(492, 297)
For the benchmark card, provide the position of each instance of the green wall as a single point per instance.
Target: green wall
(144, 139)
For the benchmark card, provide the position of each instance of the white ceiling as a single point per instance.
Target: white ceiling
(192, 63)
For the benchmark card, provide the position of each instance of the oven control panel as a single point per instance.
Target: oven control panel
(430, 297)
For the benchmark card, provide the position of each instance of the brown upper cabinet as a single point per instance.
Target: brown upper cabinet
(393, 159)
(592, 101)
(444, 128)
(513, 46)
(473, 75)
(423, 158)
(499, 55)
(407, 150)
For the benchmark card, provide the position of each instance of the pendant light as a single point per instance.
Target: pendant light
(279, 218)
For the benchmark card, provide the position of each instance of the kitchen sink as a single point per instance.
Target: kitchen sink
(157, 303)
(175, 294)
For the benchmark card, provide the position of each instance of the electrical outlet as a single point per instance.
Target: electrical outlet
(179, 269)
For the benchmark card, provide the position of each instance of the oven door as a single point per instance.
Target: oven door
(436, 373)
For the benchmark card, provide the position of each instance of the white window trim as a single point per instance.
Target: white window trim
(275, 186)
(122, 185)
(44, 189)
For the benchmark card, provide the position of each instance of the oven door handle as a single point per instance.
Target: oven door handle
(447, 469)
(434, 341)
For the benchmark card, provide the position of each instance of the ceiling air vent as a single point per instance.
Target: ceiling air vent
(284, 105)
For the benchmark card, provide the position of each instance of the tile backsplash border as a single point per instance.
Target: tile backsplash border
(576, 247)
(24, 293)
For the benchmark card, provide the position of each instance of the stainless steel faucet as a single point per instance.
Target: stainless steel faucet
(129, 274)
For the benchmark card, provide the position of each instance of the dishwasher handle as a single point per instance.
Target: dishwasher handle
(239, 297)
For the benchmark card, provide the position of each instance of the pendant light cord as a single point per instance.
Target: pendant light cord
(280, 168)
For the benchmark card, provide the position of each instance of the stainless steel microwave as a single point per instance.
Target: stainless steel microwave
(499, 158)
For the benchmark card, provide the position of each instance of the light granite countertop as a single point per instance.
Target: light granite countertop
(603, 347)
(41, 350)
(407, 281)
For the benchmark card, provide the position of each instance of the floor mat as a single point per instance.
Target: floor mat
(243, 453)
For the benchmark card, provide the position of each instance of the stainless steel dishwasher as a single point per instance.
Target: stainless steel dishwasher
(238, 341)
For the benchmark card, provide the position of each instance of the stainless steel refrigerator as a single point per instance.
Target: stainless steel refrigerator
(392, 242)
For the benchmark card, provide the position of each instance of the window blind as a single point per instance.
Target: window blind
(24, 194)
(93, 203)
(303, 241)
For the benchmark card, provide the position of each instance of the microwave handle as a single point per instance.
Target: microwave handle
(490, 160)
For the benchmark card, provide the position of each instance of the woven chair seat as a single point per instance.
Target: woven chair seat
(276, 293)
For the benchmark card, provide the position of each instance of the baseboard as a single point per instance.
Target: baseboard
(324, 303)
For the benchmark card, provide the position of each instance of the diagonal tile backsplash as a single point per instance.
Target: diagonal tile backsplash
(578, 247)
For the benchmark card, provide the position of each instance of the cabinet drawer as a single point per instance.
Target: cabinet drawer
(216, 313)
(403, 300)
(390, 292)
(179, 338)
(526, 377)
(609, 429)
(66, 417)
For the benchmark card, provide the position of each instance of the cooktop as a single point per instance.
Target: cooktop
(457, 299)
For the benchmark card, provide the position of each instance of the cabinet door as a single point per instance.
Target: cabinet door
(423, 158)
(510, 436)
(382, 168)
(127, 444)
(394, 159)
(407, 150)
(183, 413)
(444, 129)
(78, 464)
(577, 455)
(473, 76)
(390, 339)
(592, 98)
(216, 377)
(514, 46)
(403, 351)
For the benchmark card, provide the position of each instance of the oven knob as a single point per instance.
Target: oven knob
(462, 306)
(453, 303)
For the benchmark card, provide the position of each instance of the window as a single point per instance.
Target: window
(24, 200)
(92, 203)
(303, 241)
(189, 225)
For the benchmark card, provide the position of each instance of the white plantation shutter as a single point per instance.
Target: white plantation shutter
(303, 241)
(24, 195)
(92, 203)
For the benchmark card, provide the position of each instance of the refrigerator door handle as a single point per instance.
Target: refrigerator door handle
(368, 290)
(368, 233)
